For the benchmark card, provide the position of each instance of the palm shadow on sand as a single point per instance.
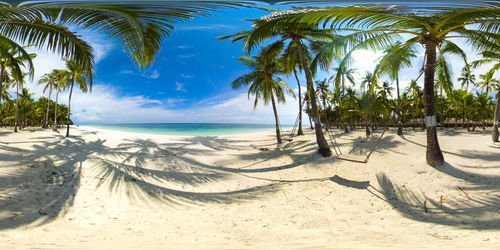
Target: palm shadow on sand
(475, 205)
(47, 176)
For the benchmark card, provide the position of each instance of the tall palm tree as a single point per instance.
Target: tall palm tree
(396, 57)
(17, 82)
(50, 80)
(493, 57)
(432, 28)
(264, 84)
(339, 80)
(75, 73)
(297, 35)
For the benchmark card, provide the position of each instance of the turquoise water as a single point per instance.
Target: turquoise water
(188, 128)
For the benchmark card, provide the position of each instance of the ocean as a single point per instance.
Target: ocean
(189, 128)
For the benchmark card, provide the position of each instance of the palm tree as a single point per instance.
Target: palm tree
(13, 59)
(432, 28)
(396, 58)
(58, 85)
(263, 82)
(339, 78)
(75, 73)
(491, 56)
(297, 35)
(49, 79)
(17, 82)
(467, 78)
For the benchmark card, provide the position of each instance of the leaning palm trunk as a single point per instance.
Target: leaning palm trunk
(434, 155)
(299, 132)
(54, 127)
(46, 124)
(69, 108)
(17, 104)
(494, 132)
(323, 149)
(276, 119)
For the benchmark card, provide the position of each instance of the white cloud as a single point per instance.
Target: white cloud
(180, 87)
(106, 105)
(153, 74)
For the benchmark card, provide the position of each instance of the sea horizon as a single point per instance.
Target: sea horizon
(184, 128)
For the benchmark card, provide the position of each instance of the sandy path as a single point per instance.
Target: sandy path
(112, 189)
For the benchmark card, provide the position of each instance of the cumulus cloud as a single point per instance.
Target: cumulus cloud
(107, 105)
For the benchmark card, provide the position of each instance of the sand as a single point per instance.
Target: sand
(111, 189)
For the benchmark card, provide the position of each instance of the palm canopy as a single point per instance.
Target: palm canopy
(264, 83)
(14, 58)
(139, 26)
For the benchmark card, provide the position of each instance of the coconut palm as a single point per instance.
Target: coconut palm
(50, 80)
(264, 84)
(291, 64)
(13, 60)
(467, 77)
(432, 28)
(139, 26)
(75, 73)
(339, 80)
(396, 57)
(297, 35)
(491, 57)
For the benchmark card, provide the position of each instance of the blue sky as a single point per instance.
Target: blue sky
(190, 80)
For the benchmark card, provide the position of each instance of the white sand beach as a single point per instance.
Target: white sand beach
(112, 189)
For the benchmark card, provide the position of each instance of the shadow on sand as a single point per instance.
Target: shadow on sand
(40, 183)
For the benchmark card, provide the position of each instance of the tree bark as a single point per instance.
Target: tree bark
(276, 119)
(398, 109)
(323, 147)
(300, 131)
(54, 127)
(46, 125)
(17, 104)
(69, 108)
(494, 132)
(434, 155)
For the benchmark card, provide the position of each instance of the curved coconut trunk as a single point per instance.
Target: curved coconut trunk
(54, 127)
(299, 132)
(277, 121)
(69, 108)
(323, 147)
(494, 132)
(46, 124)
(434, 155)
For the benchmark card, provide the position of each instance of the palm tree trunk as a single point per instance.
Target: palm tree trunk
(69, 108)
(434, 155)
(17, 104)
(323, 147)
(46, 125)
(54, 127)
(398, 109)
(300, 132)
(276, 119)
(494, 132)
(2, 70)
